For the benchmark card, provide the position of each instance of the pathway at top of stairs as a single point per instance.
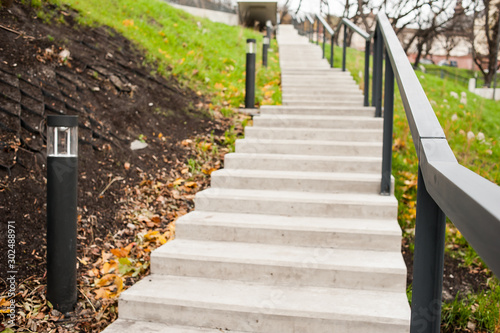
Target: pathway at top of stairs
(293, 235)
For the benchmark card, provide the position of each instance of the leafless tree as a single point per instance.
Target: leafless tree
(485, 32)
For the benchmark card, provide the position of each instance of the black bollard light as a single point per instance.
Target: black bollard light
(62, 178)
(265, 49)
(250, 75)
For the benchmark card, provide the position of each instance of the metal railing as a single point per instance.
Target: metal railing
(319, 21)
(367, 37)
(445, 188)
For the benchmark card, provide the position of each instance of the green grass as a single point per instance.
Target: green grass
(460, 76)
(458, 118)
(205, 56)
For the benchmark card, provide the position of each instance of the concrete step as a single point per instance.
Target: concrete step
(311, 181)
(307, 79)
(315, 89)
(323, 134)
(331, 98)
(317, 232)
(336, 205)
(262, 161)
(328, 90)
(305, 86)
(124, 325)
(317, 121)
(309, 86)
(282, 265)
(241, 306)
(363, 111)
(301, 71)
(309, 147)
(310, 102)
(298, 71)
(305, 61)
(303, 68)
(315, 74)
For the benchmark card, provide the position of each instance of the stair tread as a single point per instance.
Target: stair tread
(299, 223)
(272, 174)
(125, 325)
(306, 302)
(312, 142)
(354, 119)
(284, 255)
(285, 107)
(339, 130)
(304, 157)
(292, 196)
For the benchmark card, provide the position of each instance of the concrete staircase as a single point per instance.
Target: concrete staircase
(293, 235)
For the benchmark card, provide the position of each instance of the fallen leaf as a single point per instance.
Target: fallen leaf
(102, 293)
(191, 184)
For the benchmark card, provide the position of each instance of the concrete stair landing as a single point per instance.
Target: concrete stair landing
(293, 235)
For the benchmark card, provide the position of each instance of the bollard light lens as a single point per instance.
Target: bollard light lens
(266, 40)
(251, 46)
(62, 136)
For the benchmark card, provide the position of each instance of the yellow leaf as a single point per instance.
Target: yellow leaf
(128, 23)
(151, 235)
(190, 52)
(178, 181)
(219, 86)
(191, 184)
(102, 293)
(162, 240)
(208, 171)
(119, 285)
(106, 280)
(109, 267)
(4, 306)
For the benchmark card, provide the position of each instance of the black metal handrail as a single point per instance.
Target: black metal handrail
(327, 29)
(367, 37)
(445, 188)
(311, 26)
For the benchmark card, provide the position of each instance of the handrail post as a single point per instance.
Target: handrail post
(324, 42)
(374, 70)
(317, 33)
(331, 51)
(377, 77)
(385, 186)
(427, 263)
(367, 72)
(344, 51)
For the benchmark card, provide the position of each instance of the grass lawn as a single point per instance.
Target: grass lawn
(207, 57)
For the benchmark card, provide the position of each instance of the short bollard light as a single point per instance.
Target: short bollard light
(250, 74)
(62, 178)
(265, 49)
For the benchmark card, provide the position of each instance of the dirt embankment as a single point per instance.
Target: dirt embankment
(63, 68)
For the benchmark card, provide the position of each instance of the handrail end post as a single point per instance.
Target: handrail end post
(430, 229)
(367, 73)
(331, 51)
(344, 54)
